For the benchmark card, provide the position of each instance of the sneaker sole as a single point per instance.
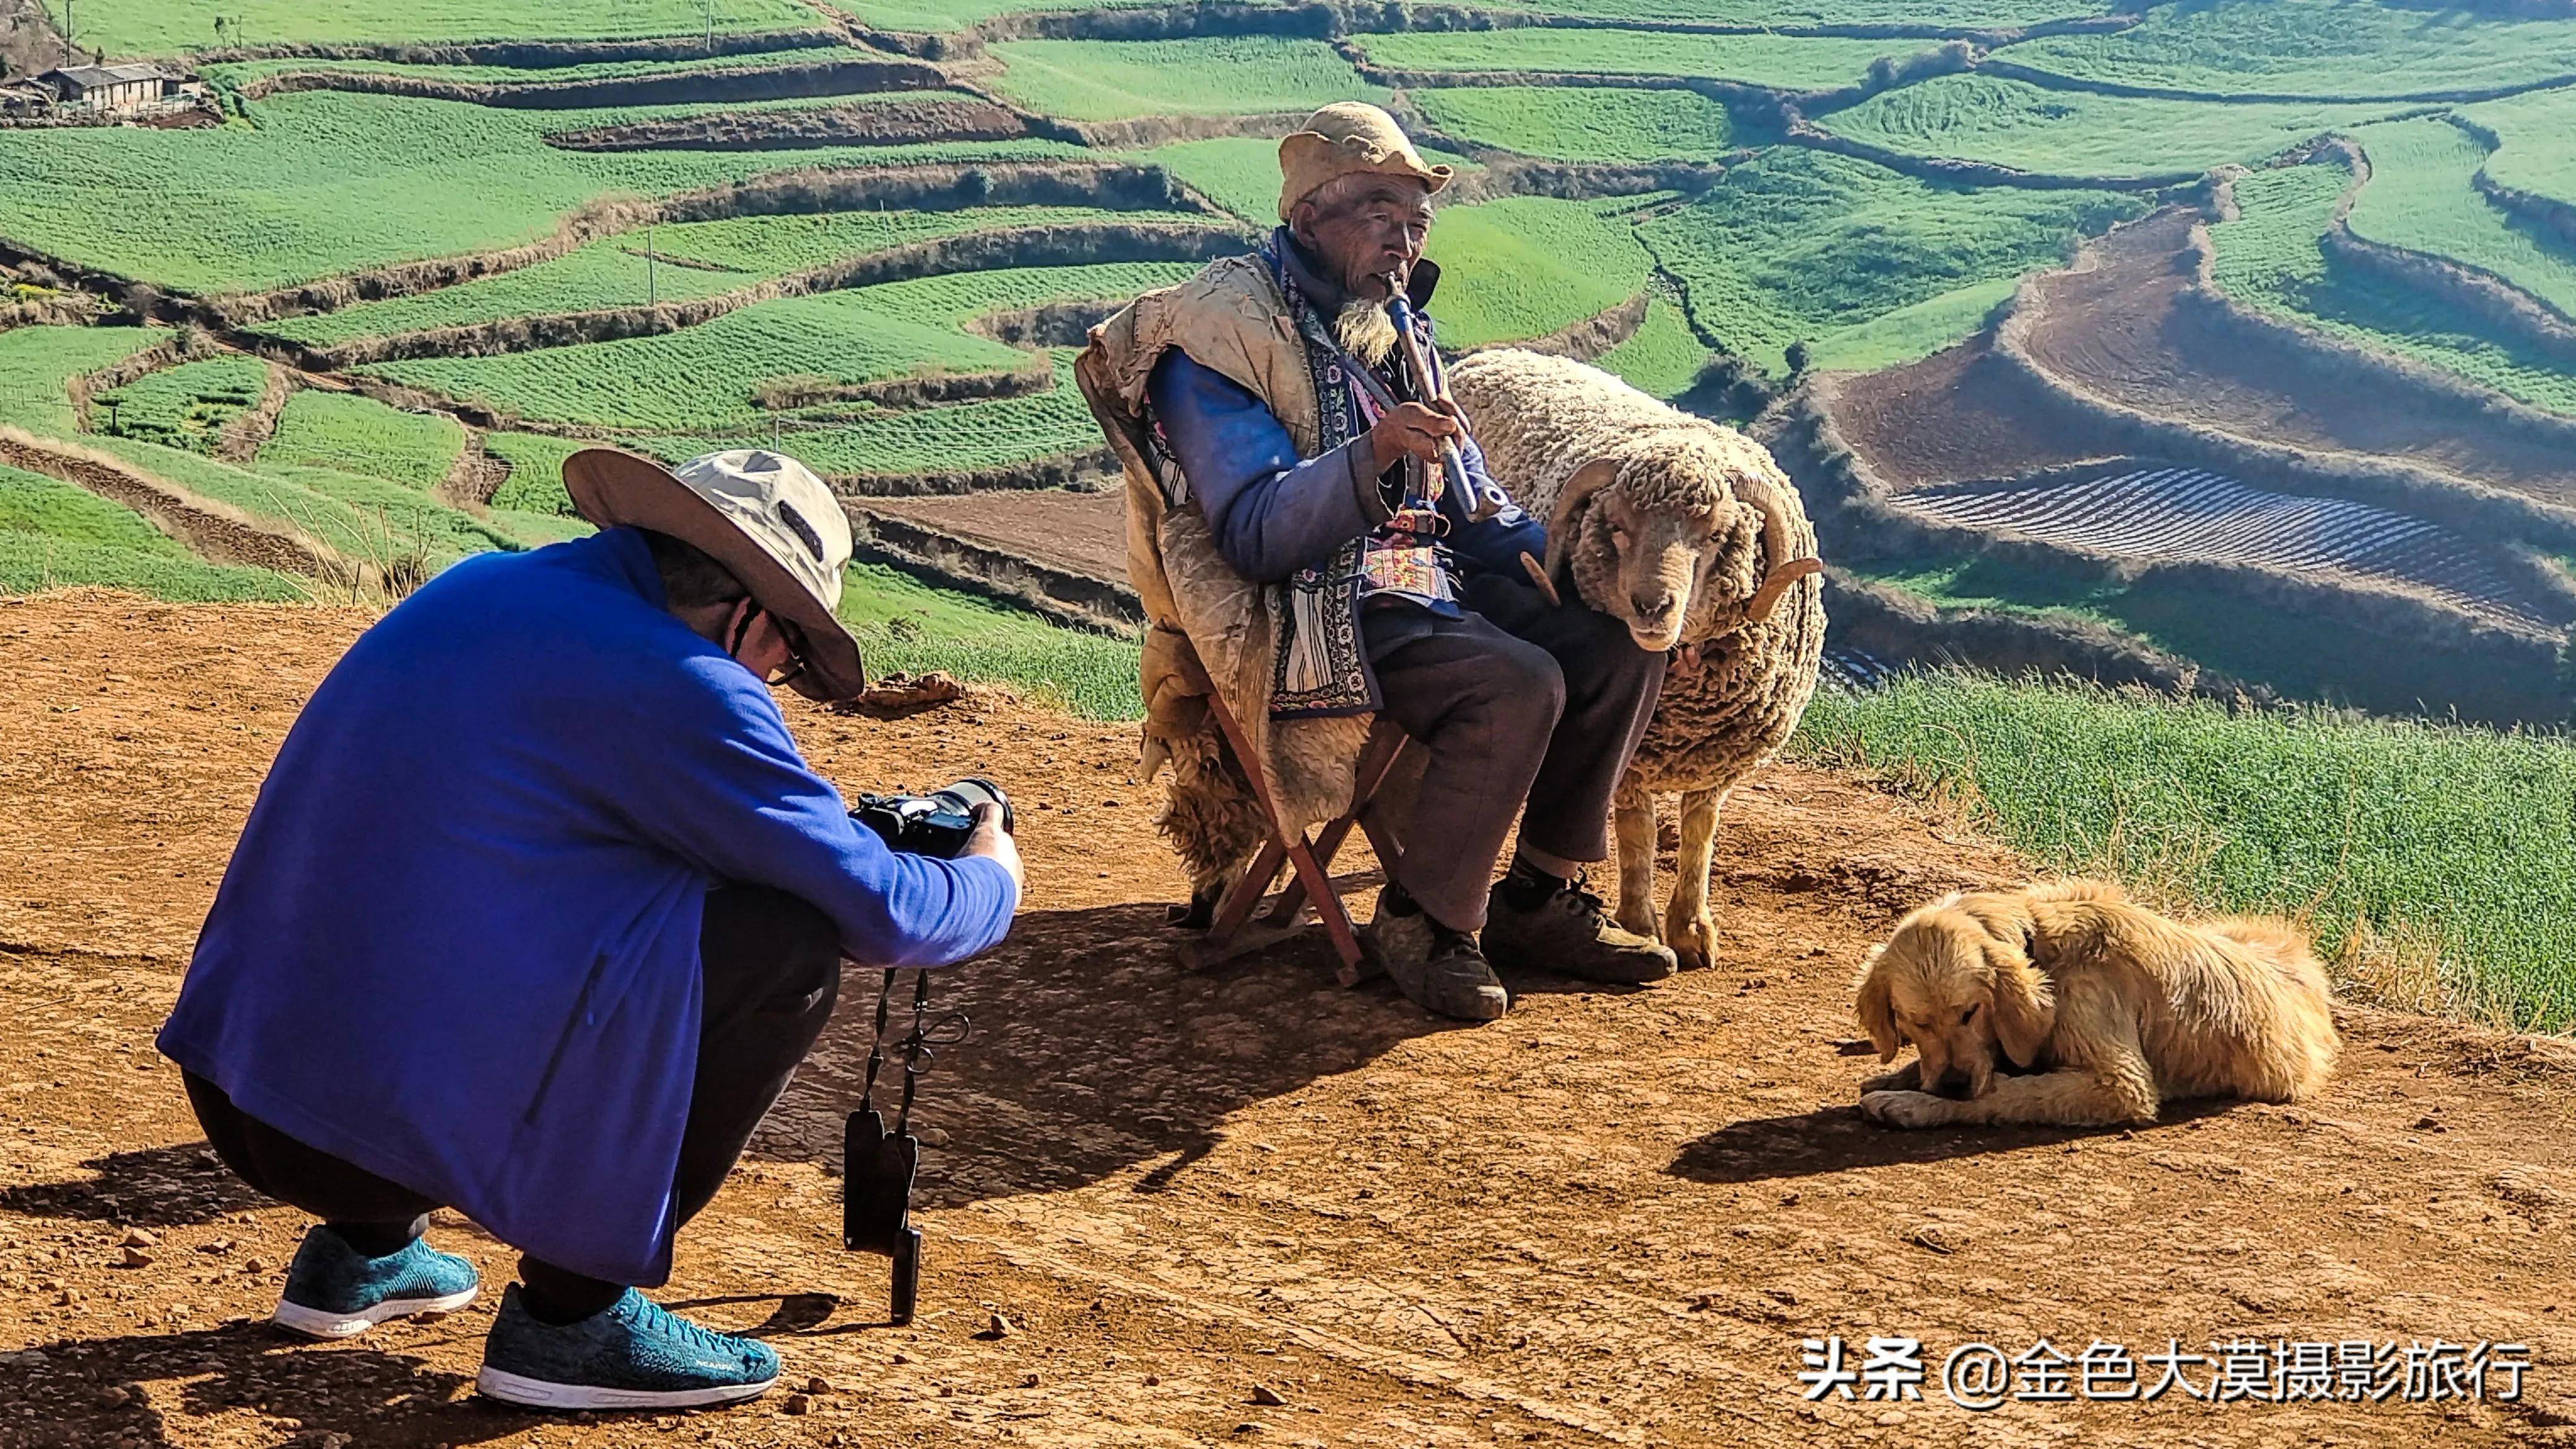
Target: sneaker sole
(512, 1388)
(323, 1323)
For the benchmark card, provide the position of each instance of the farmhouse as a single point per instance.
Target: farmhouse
(109, 88)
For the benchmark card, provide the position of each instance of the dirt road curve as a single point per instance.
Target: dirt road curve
(1607, 1219)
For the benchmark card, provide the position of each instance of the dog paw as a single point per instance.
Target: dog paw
(1903, 1079)
(1694, 943)
(1904, 1109)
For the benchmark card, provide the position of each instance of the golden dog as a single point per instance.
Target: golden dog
(2101, 1008)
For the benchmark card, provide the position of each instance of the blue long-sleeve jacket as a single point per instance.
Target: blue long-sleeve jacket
(1274, 514)
(457, 943)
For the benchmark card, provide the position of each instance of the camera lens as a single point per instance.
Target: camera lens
(973, 791)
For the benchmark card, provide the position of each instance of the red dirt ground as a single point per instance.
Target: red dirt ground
(1609, 1218)
(1957, 416)
(1081, 533)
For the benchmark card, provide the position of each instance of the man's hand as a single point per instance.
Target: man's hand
(992, 842)
(1414, 430)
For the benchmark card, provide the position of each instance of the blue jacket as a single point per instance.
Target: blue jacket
(457, 943)
(1273, 513)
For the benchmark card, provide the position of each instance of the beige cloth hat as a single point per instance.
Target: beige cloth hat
(762, 515)
(1347, 137)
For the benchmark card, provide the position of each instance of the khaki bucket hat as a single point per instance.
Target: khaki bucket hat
(764, 516)
(1348, 137)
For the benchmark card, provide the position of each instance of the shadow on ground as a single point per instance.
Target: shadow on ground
(156, 1187)
(1838, 1139)
(1093, 1051)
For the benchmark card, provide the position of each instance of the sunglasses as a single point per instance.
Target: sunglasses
(788, 634)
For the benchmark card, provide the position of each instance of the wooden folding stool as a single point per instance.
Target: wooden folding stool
(1311, 883)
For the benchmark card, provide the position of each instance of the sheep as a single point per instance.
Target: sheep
(1686, 531)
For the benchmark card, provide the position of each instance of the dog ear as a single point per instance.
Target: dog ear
(1875, 1012)
(2025, 1010)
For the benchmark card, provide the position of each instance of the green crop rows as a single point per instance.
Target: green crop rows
(186, 406)
(1527, 266)
(1779, 61)
(2069, 133)
(167, 26)
(1664, 357)
(2538, 136)
(2313, 48)
(360, 435)
(1091, 80)
(1797, 244)
(1583, 123)
(2420, 198)
(55, 536)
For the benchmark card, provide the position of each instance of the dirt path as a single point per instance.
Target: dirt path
(2113, 326)
(1958, 415)
(1083, 533)
(1609, 1218)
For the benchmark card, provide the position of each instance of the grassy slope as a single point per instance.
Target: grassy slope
(2313, 47)
(905, 624)
(1092, 80)
(1241, 173)
(1581, 123)
(2459, 836)
(2419, 197)
(323, 182)
(161, 27)
(2539, 143)
(939, 15)
(1796, 245)
(1910, 334)
(705, 377)
(2068, 133)
(37, 362)
(1665, 356)
(1524, 267)
(186, 406)
(2271, 260)
(360, 435)
(1784, 62)
(612, 273)
(53, 535)
(238, 72)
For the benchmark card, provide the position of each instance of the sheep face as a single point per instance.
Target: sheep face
(1645, 567)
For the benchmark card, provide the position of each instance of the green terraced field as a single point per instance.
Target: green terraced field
(37, 362)
(535, 484)
(1091, 80)
(2313, 48)
(2271, 259)
(732, 254)
(327, 182)
(2419, 197)
(2067, 133)
(356, 434)
(1522, 268)
(962, 437)
(185, 407)
(239, 72)
(1582, 123)
(905, 624)
(2538, 132)
(1664, 357)
(1782, 62)
(1797, 245)
(1241, 173)
(55, 536)
(706, 377)
(1910, 334)
(161, 27)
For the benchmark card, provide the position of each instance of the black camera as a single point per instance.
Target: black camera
(935, 824)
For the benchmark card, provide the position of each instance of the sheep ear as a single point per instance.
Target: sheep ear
(1875, 1013)
(1589, 479)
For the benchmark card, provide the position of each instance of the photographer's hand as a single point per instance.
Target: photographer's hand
(992, 842)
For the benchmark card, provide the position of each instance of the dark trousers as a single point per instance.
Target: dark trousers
(771, 966)
(1519, 702)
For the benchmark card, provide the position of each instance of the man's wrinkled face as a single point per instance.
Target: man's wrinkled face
(1368, 231)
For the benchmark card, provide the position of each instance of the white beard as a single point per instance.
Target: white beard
(1364, 328)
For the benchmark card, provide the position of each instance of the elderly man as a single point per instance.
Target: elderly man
(538, 910)
(1274, 404)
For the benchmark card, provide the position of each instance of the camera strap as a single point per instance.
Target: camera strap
(878, 1163)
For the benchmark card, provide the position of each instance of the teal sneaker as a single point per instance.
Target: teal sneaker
(633, 1354)
(333, 1290)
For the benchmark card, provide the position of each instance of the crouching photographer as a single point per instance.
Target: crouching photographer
(538, 911)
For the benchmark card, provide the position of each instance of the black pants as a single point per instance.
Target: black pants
(1519, 702)
(771, 965)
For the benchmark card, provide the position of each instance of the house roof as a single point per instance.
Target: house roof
(86, 76)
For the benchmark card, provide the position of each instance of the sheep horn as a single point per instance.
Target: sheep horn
(1589, 479)
(1762, 495)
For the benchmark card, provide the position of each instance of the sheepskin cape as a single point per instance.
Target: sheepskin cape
(1212, 628)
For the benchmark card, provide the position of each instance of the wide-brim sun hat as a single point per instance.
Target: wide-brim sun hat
(1344, 138)
(765, 517)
